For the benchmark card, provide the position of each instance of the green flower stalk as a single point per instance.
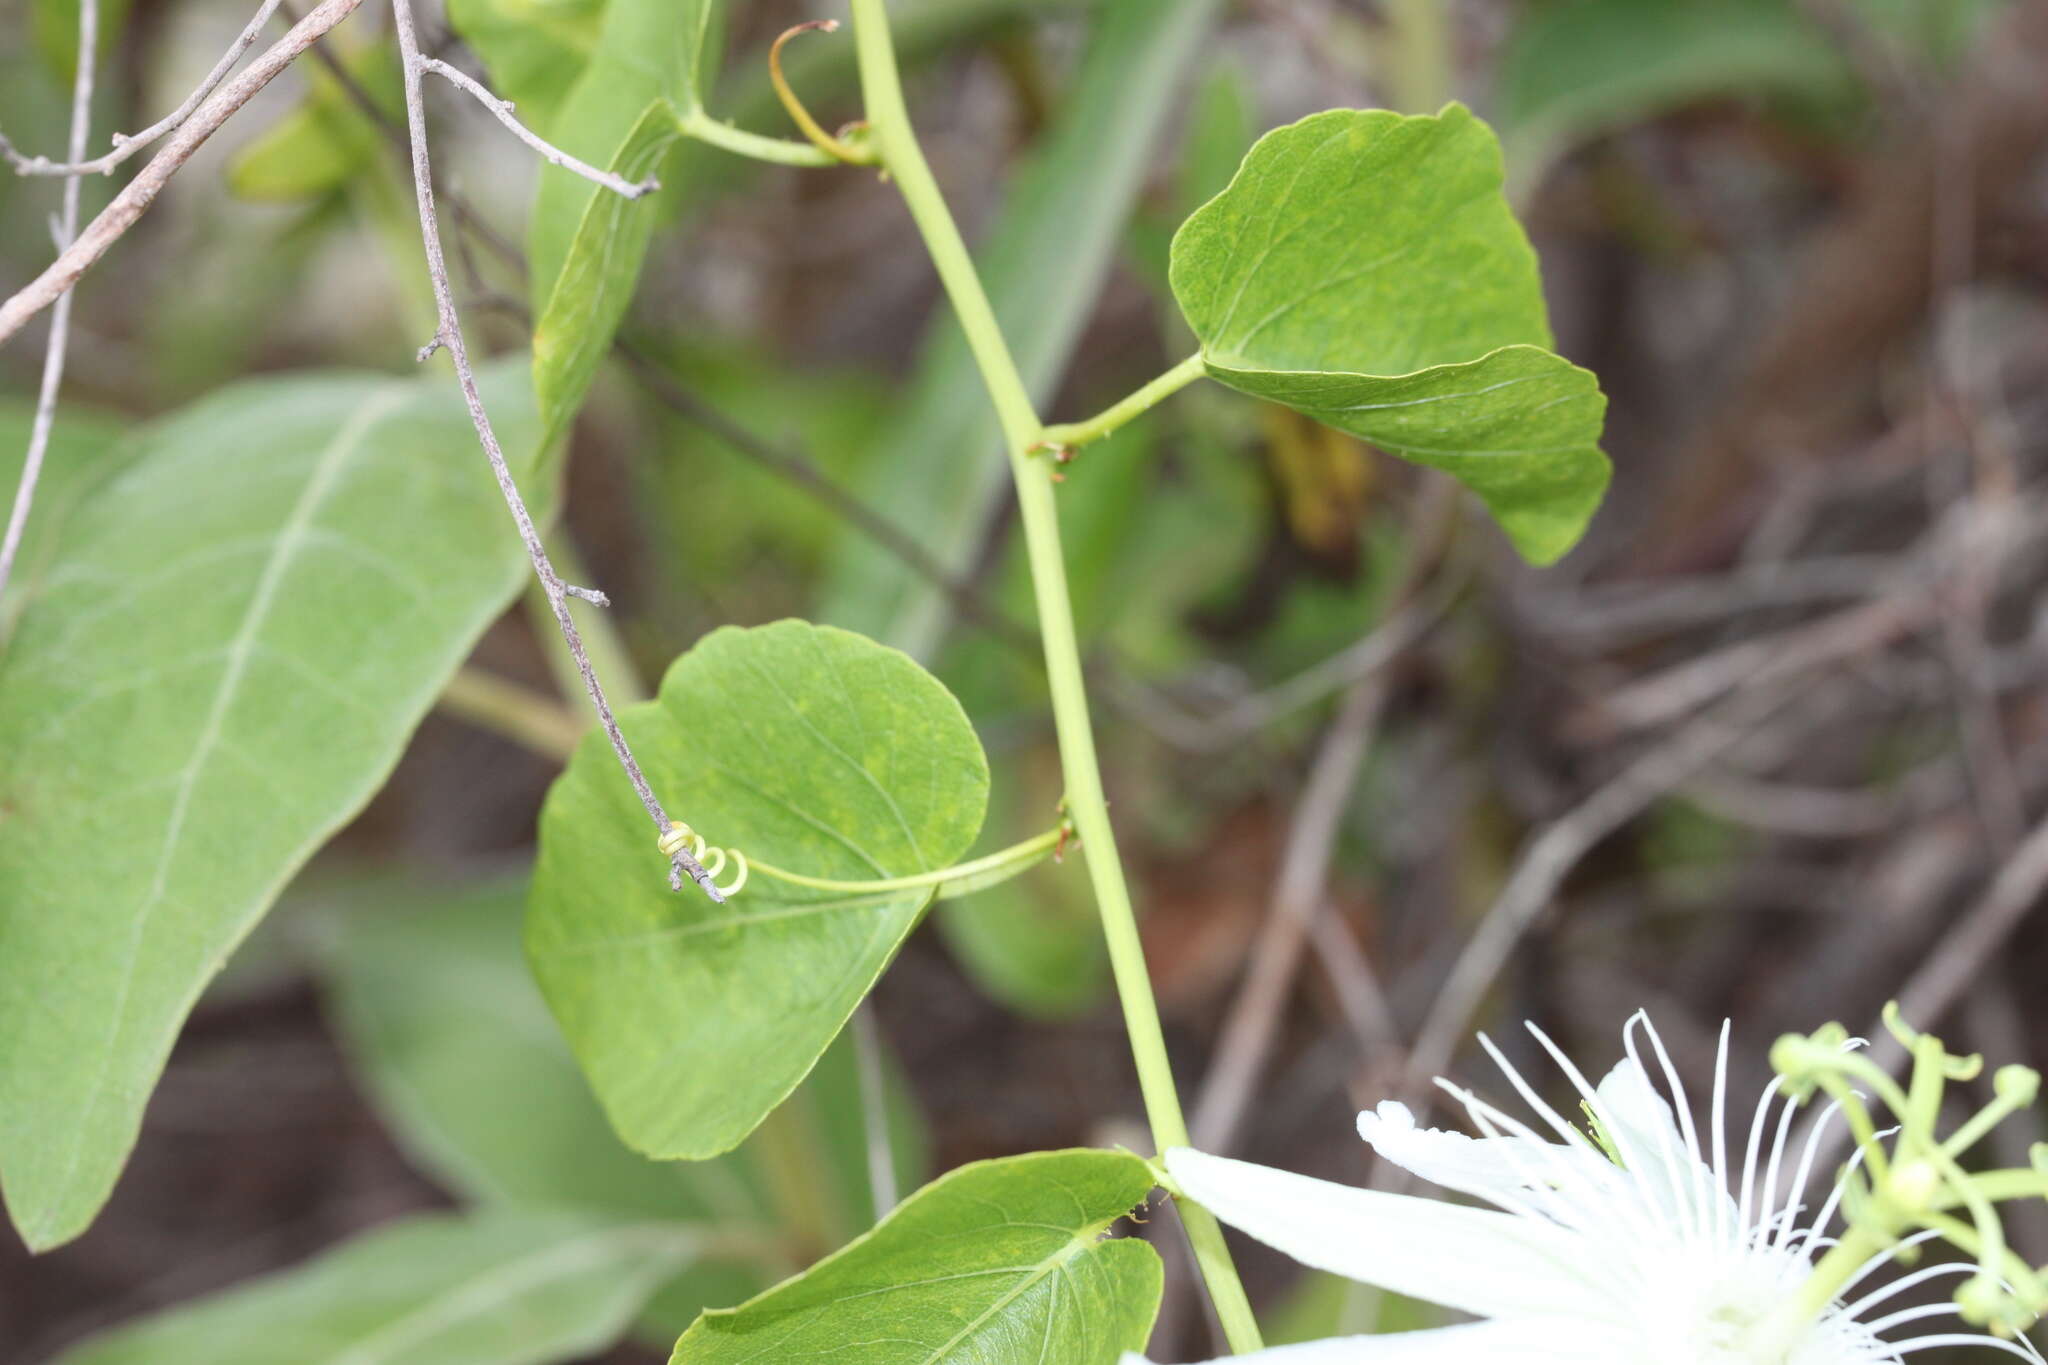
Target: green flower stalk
(1906, 1185)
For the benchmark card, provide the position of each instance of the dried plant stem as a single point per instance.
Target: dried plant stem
(127, 145)
(60, 316)
(136, 197)
(448, 337)
(502, 111)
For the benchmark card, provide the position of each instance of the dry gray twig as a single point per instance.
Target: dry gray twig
(136, 197)
(448, 337)
(127, 145)
(501, 109)
(60, 316)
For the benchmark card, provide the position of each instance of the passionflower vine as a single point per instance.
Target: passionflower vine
(1637, 1240)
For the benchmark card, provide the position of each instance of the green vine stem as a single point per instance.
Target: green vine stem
(1074, 435)
(780, 150)
(895, 141)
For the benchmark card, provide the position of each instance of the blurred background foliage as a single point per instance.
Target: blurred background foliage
(1767, 747)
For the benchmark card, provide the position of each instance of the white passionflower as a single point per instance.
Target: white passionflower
(1625, 1245)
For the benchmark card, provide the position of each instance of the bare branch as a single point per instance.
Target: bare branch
(126, 145)
(60, 317)
(136, 197)
(501, 109)
(448, 337)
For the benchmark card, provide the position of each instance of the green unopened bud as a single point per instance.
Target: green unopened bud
(2038, 1156)
(1984, 1302)
(1913, 1185)
(2018, 1086)
(1802, 1059)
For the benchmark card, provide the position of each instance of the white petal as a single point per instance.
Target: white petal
(1653, 1149)
(1528, 1342)
(1516, 1173)
(1475, 1260)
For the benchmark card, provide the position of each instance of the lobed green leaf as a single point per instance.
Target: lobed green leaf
(998, 1263)
(434, 1000)
(223, 663)
(810, 748)
(1364, 267)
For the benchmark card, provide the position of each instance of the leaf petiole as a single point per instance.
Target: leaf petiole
(780, 150)
(1074, 435)
(999, 866)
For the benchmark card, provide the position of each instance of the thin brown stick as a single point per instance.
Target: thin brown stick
(448, 337)
(135, 198)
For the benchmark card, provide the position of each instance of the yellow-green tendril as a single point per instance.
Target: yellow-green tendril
(713, 859)
(837, 148)
(956, 880)
(1917, 1183)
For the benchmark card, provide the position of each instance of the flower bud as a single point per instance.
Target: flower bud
(1914, 1184)
(2018, 1086)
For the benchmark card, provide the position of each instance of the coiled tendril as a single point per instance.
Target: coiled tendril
(713, 859)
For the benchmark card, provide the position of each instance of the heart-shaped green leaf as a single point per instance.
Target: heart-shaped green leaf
(492, 1288)
(237, 636)
(434, 1000)
(595, 287)
(1365, 268)
(998, 1263)
(810, 748)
